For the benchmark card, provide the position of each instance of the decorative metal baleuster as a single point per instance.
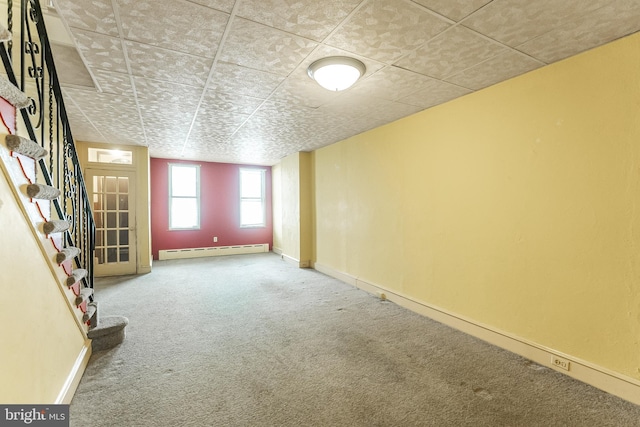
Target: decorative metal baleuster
(33, 72)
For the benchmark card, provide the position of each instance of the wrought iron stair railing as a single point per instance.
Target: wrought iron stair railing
(45, 121)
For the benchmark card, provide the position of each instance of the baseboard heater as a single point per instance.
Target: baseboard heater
(213, 251)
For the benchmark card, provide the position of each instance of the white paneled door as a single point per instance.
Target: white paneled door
(113, 202)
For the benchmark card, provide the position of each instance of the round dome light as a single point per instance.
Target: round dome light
(336, 73)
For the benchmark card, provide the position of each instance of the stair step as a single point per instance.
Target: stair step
(92, 309)
(67, 254)
(85, 294)
(11, 93)
(42, 192)
(55, 226)
(77, 275)
(25, 146)
(109, 333)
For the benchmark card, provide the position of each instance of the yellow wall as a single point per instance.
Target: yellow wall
(517, 206)
(292, 203)
(40, 340)
(276, 206)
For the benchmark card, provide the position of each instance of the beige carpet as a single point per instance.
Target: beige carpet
(251, 340)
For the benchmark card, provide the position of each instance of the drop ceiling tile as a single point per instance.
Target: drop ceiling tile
(308, 18)
(231, 102)
(615, 20)
(216, 123)
(257, 46)
(177, 25)
(222, 5)
(166, 127)
(514, 22)
(391, 83)
(494, 70)
(100, 51)
(92, 15)
(451, 51)
(162, 64)
(112, 82)
(166, 93)
(69, 66)
(433, 93)
(385, 30)
(115, 116)
(243, 81)
(81, 128)
(299, 90)
(349, 107)
(453, 9)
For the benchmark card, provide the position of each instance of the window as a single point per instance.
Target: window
(103, 155)
(252, 206)
(184, 196)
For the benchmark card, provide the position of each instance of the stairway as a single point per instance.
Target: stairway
(48, 183)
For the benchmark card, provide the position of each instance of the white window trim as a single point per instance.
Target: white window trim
(171, 197)
(262, 198)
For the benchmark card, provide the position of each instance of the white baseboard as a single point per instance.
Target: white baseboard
(212, 251)
(612, 382)
(74, 377)
(295, 261)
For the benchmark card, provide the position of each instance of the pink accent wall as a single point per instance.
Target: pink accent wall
(219, 208)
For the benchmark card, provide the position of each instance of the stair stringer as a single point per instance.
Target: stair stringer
(14, 172)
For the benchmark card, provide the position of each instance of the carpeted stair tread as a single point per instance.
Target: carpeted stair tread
(108, 325)
(109, 333)
(8, 90)
(66, 254)
(77, 275)
(25, 146)
(42, 191)
(85, 294)
(55, 226)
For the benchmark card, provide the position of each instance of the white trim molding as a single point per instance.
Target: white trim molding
(75, 375)
(609, 381)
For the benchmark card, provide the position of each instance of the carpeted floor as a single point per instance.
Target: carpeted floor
(251, 340)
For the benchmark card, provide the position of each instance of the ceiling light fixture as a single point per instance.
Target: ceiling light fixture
(336, 72)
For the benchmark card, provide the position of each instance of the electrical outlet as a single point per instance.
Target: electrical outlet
(561, 363)
(215, 239)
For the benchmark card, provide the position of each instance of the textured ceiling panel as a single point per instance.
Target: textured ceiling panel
(264, 48)
(244, 81)
(178, 25)
(386, 30)
(514, 22)
(82, 129)
(91, 15)
(69, 65)
(453, 9)
(307, 18)
(601, 25)
(230, 102)
(391, 83)
(168, 65)
(226, 80)
(455, 49)
(222, 5)
(112, 82)
(494, 70)
(101, 52)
